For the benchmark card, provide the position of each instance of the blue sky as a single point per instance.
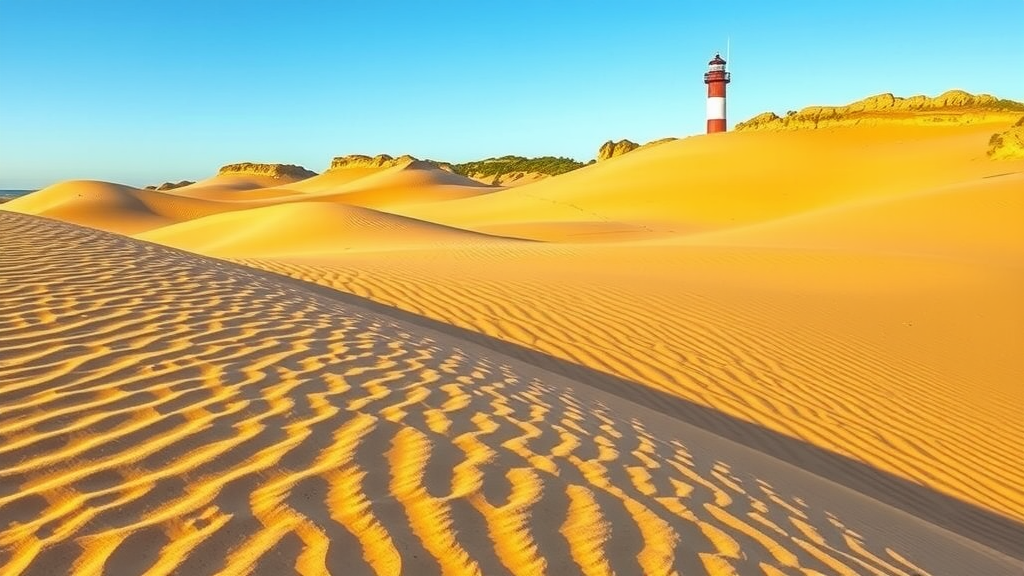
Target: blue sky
(141, 92)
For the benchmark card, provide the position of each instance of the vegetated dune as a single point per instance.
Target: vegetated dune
(306, 229)
(954, 107)
(303, 432)
(511, 170)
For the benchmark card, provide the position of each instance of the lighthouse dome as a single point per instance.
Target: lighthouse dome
(717, 60)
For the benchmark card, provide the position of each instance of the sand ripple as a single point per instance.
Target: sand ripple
(164, 413)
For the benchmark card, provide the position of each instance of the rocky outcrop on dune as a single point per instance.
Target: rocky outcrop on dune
(171, 185)
(950, 107)
(363, 161)
(1009, 144)
(271, 170)
(611, 149)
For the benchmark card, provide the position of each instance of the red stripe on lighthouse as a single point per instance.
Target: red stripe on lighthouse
(716, 126)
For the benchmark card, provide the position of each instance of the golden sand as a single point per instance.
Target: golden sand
(854, 290)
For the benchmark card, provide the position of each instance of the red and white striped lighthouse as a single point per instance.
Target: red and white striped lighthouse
(716, 78)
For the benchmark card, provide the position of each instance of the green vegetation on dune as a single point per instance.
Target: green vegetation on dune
(1004, 104)
(550, 165)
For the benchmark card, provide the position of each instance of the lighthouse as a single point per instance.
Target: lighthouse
(716, 78)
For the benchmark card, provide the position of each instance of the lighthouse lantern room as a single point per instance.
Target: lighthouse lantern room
(716, 78)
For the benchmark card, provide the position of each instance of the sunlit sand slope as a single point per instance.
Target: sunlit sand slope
(165, 413)
(881, 319)
(715, 182)
(414, 183)
(909, 364)
(103, 205)
(120, 208)
(976, 220)
(238, 187)
(308, 228)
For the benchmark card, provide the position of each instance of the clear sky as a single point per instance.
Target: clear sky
(140, 92)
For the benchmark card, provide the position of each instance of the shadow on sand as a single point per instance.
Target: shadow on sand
(987, 528)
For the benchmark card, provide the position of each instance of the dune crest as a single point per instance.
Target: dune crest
(306, 229)
(363, 161)
(1008, 145)
(114, 207)
(951, 107)
(170, 185)
(611, 149)
(272, 170)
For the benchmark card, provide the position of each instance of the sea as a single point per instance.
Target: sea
(6, 195)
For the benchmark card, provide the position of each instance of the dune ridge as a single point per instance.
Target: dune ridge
(950, 107)
(272, 170)
(702, 184)
(363, 161)
(1008, 145)
(343, 438)
(325, 228)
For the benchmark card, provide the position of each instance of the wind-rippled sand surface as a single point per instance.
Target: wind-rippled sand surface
(171, 414)
(759, 353)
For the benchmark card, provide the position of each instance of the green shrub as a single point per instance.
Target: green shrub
(549, 165)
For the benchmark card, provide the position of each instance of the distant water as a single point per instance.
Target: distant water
(6, 195)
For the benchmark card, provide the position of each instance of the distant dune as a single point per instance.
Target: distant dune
(103, 205)
(290, 171)
(306, 229)
(170, 185)
(950, 107)
(770, 351)
(698, 185)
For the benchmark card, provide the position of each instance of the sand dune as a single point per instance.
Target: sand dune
(413, 183)
(700, 184)
(235, 187)
(332, 179)
(844, 300)
(307, 229)
(104, 205)
(125, 209)
(972, 220)
(809, 324)
(884, 372)
(303, 433)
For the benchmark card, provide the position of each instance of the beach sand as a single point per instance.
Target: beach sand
(749, 353)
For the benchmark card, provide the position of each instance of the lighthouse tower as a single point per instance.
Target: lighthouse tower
(716, 78)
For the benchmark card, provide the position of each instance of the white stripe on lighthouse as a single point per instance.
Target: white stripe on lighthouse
(716, 108)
